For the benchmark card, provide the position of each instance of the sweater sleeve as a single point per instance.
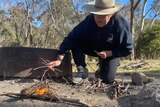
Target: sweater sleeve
(125, 45)
(75, 37)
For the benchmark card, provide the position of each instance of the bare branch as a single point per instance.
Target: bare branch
(136, 5)
(151, 8)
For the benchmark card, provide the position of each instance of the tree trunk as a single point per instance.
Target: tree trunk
(143, 17)
(132, 25)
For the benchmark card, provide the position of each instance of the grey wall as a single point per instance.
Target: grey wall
(20, 62)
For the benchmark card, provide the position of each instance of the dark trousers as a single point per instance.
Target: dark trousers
(108, 66)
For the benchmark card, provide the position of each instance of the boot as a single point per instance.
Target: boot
(81, 74)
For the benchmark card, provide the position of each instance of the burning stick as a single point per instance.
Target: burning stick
(41, 91)
(34, 88)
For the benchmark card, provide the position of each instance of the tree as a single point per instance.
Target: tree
(138, 23)
(154, 7)
(21, 17)
(150, 44)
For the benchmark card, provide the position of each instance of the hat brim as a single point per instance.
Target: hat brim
(92, 9)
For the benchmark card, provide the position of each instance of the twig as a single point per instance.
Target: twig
(58, 70)
(44, 74)
(92, 87)
(50, 77)
(91, 67)
(65, 79)
(40, 67)
(126, 88)
(45, 62)
(56, 74)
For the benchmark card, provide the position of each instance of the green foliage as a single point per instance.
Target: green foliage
(10, 38)
(150, 43)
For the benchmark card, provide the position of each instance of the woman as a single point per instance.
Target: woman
(103, 34)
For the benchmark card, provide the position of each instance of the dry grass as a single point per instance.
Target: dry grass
(154, 67)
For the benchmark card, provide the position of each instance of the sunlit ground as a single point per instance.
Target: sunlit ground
(154, 67)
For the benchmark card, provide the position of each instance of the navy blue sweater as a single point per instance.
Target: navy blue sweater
(114, 36)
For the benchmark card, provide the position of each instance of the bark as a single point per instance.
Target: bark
(143, 16)
(153, 20)
(132, 16)
(133, 7)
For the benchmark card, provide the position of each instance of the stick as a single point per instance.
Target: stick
(48, 98)
(87, 104)
(44, 74)
(126, 88)
(45, 62)
(40, 67)
(61, 99)
(9, 94)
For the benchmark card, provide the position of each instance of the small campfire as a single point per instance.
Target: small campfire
(44, 90)
(41, 91)
(41, 88)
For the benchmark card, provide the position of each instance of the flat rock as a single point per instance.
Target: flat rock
(140, 79)
(149, 95)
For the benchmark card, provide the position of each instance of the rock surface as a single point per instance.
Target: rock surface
(149, 95)
(140, 79)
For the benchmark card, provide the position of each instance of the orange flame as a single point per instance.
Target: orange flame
(41, 91)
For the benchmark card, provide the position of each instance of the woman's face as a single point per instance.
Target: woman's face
(102, 20)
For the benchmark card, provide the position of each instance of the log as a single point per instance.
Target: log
(49, 98)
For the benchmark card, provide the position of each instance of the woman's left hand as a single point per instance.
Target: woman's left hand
(104, 54)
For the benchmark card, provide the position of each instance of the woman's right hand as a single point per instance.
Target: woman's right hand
(54, 64)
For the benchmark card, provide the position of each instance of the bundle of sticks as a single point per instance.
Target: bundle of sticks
(95, 85)
(91, 85)
(44, 91)
(118, 89)
(40, 88)
(141, 64)
(113, 91)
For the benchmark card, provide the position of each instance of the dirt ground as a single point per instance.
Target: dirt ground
(93, 99)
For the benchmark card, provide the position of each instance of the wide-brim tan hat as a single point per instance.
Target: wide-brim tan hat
(102, 7)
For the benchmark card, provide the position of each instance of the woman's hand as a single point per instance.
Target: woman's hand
(54, 64)
(104, 54)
